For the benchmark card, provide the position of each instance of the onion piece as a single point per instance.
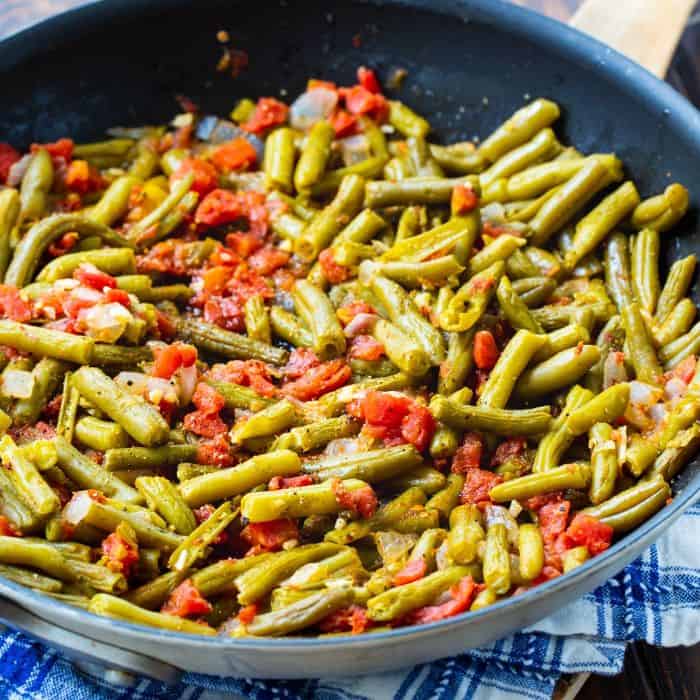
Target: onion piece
(393, 546)
(355, 149)
(642, 399)
(17, 383)
(153, 389)
(614, 370)
(674, 390)
(105, 322)
(311, 107)
(187, 378)
(17, 170)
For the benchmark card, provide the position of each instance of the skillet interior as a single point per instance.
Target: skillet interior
(123, 62)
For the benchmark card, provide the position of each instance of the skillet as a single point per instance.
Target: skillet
(470, 63)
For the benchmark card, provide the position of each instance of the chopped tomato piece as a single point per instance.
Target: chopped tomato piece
(216, 451)
(205, 420)
(464, 200)
(301, 360)
(289, 482)
(121, 556)
(385, 409)
(347, 312)
(362, 501)
(64, 244)
(243, 244)
(418, 427)
(368, 79)
(536, 502)
(513, 447)
(414, 570)
(268, 112)
(237, 154)
(587, 530)
(13, 306)
(88, 275)
(477, 485)
(217, 208)
(118, 296)
(485, 350)
(332, 271)
(170, 358)
(353, 619)
(462, 595)
(469, 453)
(82, 178)
(548, 573)
(365, 347)
(7, 529)
(186, 600)
(359, 100)
(61, 151)
(8, 157)
(319, 380)
(205, 176)
(685, 369)
(268, 259)
(253, 373)
(344, 123)
(270, 535)
(215, 279)
(247, 614)
(552, 519)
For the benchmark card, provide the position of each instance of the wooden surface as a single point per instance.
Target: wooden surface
(650, 673)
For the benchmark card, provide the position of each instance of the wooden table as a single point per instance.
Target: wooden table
(652, 673)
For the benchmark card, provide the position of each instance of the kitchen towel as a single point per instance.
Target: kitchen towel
(656, 598)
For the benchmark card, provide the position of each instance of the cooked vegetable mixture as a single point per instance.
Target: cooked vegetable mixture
(305, 371)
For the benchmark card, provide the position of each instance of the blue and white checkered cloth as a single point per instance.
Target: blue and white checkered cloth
(656, 598)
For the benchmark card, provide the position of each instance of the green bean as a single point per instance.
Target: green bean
(427, 479)
(560, 370)
(402, 349)
(275, 418)
(500, 249)
(483, 599)
(618, 273)
(257, 321)
(561, 339)
(444, 443)
(288, 327)
(47, 375)
(232, 345)
(531, 550)
(514, 308)
(119, 458)
(111, 606)
(146, 162)
(413, 274)
(31, 579)
(531, 421)
(574, 194)
(556, 316)
(372, 368)
(465, 535)
(368, 168)
(568, 476)
(279, 159)
(333, 403)
(510, 365)
(604, 408)
(519, 129)
(458, 162)
(14, 507)
(458, 363)
(371, 466)
(399, 601)
(397, 169)
(497, 567)
(32, 246)
(141, 420)
(645, 269)
(36, 185)
(307, 438)
(316, 310)
(680, 348)
(36, 555)
(257, 582)
(663, 211)
(114, 261)
(411, 223)
(642, 354)
(314, 156)
(676, 287)
(99, 434)
(678, 452)
(604, 463)
(113, 148)
(419, 190)
(445, 500)
(241, 397)
(677, 322)
(423, 163)
(233, 481)
(114, 202)
(9, 215)
(405, 120)
(108, 355)
(600, 221)
(287, 226)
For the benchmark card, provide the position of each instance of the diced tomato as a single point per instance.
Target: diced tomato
(485, 350)
(216, 451)
(237, 154)
(64, 244)
(61, 151)
(268, 112)
(368, 79)
(7, 529)
(247, 614)
(170, 358)
(536, 502)
(359, 100)
(362, 501)
(548, 573)
(121, 556)
(82, 178)
(314, 83)
(185, 601)
(469, 453)
(464, 200)
(118, 296)
(418, 427)
(205, 176)
(13, 306)
(319, 380)
(243, 244)
(301, 360)
(382, 408)
(289, 482)
(87, 274)
(685, 369)
(203, 513)
(353, 619)
(333, 271)
(462, 595)
(587, 530)
(268, 259)
(8, 157)
(28, 433)
(365, 347)
(479, 285)
(164, 325)
(348, 311)
(344, 123)
(205, 421)
(513, 447)
(215, 279)
(414, 570)
(253, 373)
(270, 535)
(552, 519)
(217, 208)
(477, 486)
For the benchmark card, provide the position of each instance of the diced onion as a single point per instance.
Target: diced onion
(106, 322)
(355, 149)
(311, 107)
(393, 546)
(17, 383)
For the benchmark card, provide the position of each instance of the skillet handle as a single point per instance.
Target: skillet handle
(647, 31)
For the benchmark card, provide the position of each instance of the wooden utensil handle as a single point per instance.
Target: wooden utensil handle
(647, 31)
